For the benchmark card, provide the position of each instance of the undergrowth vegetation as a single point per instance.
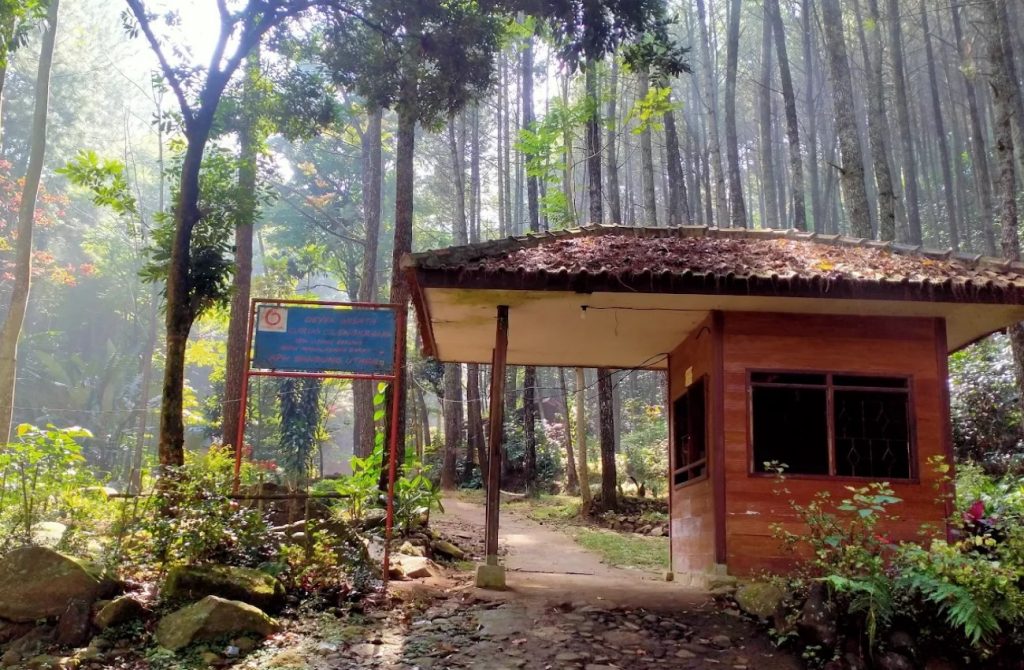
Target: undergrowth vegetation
(959, 597)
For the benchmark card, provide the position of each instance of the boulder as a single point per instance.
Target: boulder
(10, 630)
(246, 584)
(760, 599)
(74, 625)
(212, 618)
(410, 549)
(36, 582)
(120, 611)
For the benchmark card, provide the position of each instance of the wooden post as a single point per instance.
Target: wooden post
(491, 575)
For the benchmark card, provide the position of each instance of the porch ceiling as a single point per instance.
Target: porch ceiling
(628, 330)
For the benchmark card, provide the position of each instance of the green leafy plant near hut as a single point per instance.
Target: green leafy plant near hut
(961, 597)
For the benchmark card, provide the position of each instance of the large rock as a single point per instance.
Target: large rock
(212, 618)
(36, 582)
(120, 611)
(74, 625)
(246, 584)
(760, 599)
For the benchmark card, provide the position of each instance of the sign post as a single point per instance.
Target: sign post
(327, 340)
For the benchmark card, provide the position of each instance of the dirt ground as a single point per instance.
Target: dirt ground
(564, 608)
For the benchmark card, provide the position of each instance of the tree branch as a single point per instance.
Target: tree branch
(139, 11)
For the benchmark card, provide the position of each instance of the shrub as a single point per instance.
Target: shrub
(44, 477)
(964, 598)
(193, 519)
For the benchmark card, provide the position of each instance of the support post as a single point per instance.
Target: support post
(490, 575)
(397, 407)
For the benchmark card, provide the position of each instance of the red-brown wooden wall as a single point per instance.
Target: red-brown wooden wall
(725, 348)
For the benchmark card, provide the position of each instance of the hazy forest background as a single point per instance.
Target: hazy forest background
(886, 119)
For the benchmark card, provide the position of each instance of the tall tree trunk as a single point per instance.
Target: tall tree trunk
(817, 211)
(737, 206)
(10, 333)
(475, 443)
(909, 162)
(714, 143)
(852, 171)
(572, 479)
(1003, 88)
(771, 204)
(533, 205)
(530, 430)
(362, 390)
(940, 131)
(878, 126)
(453, 422)
(237, 354)
(581, 438)
(606, 410)
(405, 151)
(678, 198)
(594, 146)
(611, 146)
(647, 155)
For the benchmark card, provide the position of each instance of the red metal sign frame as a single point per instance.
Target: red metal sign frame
(395, 378)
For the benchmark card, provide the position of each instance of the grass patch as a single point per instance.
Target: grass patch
(553, 508)
(626, 551)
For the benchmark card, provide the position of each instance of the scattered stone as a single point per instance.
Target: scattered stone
(247, 644)
(571, 657)
(414, 567)
(119, 611)
(890, 660)
(11, 630)
(685, 653)
(720, 641)
(410, 549)
(447, 549)
(74, 625)
(10, 657)
(623, 638)
(817, 623)
(232, 583)
(211, 618)
(902, 642)
(209, 658)
(657, 531)
(36, 583)
(760, 599)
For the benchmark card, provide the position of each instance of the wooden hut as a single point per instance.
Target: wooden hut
(824, 353)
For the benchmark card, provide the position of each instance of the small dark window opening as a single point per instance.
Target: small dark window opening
(839, 425)
(690, 434)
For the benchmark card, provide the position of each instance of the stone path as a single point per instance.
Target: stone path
(602, 618)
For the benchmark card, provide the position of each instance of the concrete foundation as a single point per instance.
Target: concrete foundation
(490, 576)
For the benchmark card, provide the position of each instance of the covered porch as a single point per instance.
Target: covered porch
(756, 330)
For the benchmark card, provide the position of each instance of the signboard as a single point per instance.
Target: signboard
(320, 339)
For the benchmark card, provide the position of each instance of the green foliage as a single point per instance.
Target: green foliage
(103, 177)
(16, 20)
(195, 521)
(210, 258)
(964, 596)
(644, 447)
(984, 407)
(649, 110)
(43, 477)
(302, 414)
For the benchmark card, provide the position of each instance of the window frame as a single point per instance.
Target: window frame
(704, 379)
(912, 447)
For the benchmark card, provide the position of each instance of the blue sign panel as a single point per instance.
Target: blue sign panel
(318, 339)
